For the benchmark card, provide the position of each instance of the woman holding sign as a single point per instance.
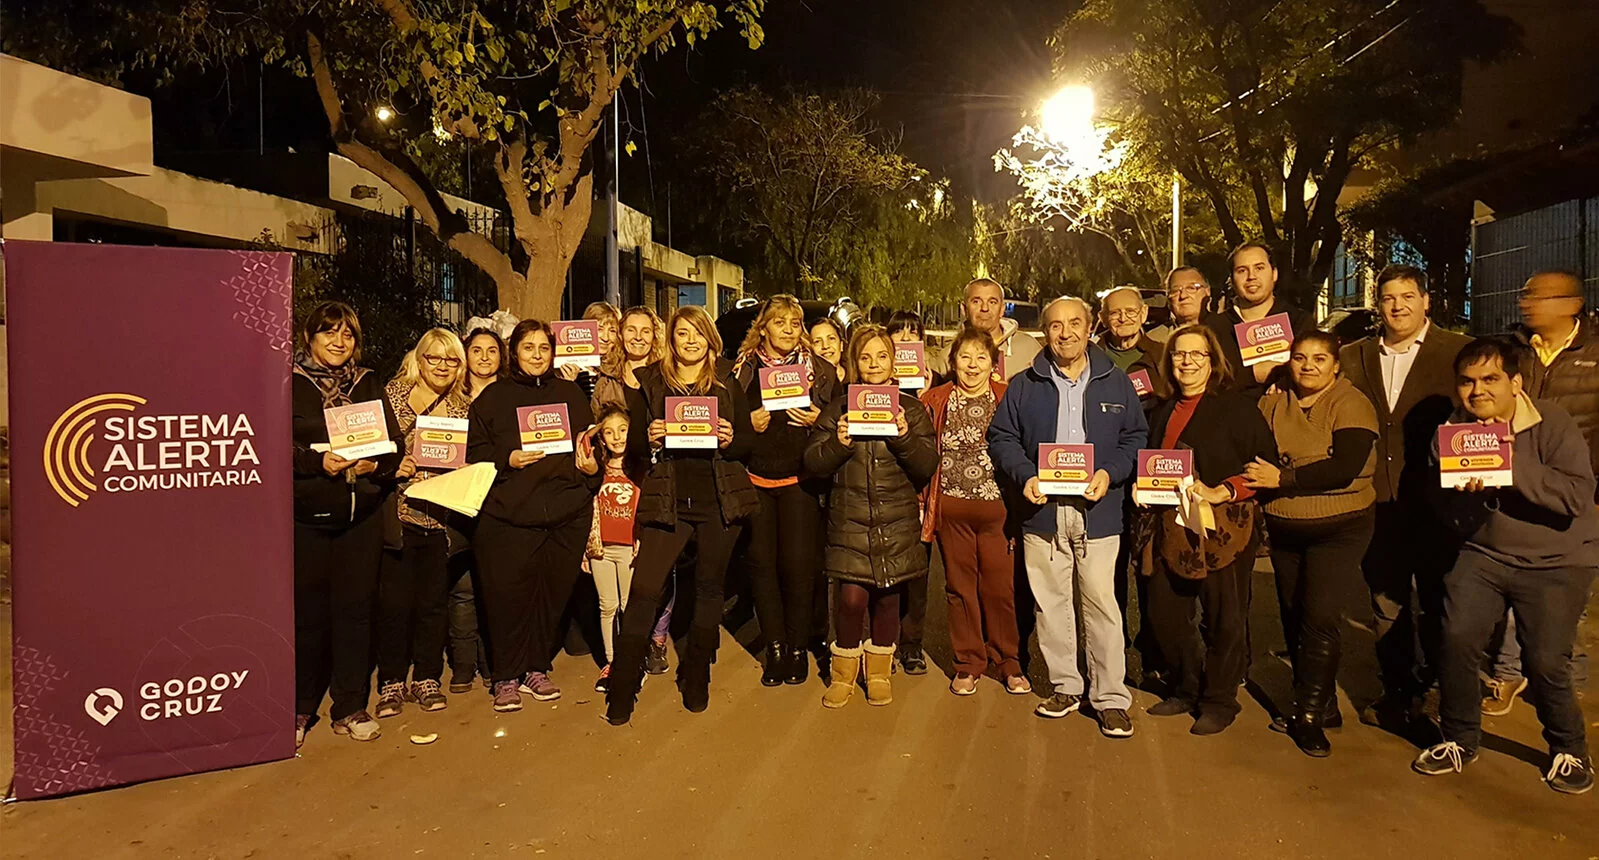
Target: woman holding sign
(694, 427)
(911, 374)
(786, 384)
(1319, 507)
(428, 400)
(534, 526)
(877, 445)
(964, 509)
(338, 527)
(1202, 562)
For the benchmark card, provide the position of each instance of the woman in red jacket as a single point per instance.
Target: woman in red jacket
(964, 509)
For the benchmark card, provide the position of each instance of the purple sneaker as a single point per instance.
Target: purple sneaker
(506, 696)
(540, 687)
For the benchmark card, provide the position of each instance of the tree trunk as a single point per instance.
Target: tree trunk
(550, 238)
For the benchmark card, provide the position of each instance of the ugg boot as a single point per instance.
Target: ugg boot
(879, 666)
(846, 667)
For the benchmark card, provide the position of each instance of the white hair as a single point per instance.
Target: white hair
(1088, 309)
(1137, 294)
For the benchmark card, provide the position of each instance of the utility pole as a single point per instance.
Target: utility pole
(613, 265)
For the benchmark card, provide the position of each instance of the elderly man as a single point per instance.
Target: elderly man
(1122, 312)
(1187, 298)
(1074, 394)
(984, 307)
(1254, 274)
(1565, 370)
(1407, 372)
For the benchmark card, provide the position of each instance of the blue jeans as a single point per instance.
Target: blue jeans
(1504, 652)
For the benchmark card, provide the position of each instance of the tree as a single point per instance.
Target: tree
(800, 174)
(1267, 108)
(911, 249)
(1039, 261)
(528, 81)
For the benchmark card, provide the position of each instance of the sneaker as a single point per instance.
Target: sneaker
(603, 685)
(507, 697)
(1501, 696)
(429, 695)
(1569, 774)
(461, 680)
(1114, 723)
(391, 699)
(1172, 707)
(1058, 705)
(655, 663)
(1447, 757)
(540, 687)
(359, 726)
(963, 684)
(1018, 685)
(911, 659)
(302, 724)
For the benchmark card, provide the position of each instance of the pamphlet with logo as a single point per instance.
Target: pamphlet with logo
(873, 410)
(1474, 451)
(1141, 384)
(786, 386)
(1065, 470)
(545, 428)
(439, 443)
(910, 364)
(691, 422)
(1266, 340)
(1161, 472)
(358, 431)
(577, 342)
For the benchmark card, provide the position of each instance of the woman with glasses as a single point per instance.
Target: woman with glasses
(1199, 580)
(414, 582)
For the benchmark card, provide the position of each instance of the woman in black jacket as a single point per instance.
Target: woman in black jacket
(535, 521)
(1209, 574)
(874, 532)
(786, 532)
(338, 528)
(702, 494)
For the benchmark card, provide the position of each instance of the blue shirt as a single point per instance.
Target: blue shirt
(1069, 415)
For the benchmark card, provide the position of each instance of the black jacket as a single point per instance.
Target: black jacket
(1571, 380)
(1226, 432)
(874, 531)
(658, 494)
(780, 451)
(334, 501)
(547, 493)
(1244, 377)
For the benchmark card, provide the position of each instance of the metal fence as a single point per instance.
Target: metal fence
(461, 289)
(1507, 251)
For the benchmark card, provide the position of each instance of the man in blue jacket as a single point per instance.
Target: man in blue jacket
(1073, 394)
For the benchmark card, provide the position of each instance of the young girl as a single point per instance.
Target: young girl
(612, 539)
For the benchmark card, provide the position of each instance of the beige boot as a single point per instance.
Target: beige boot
(846, 669)
(879, 665)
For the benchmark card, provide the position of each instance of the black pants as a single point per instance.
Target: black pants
(1210, 655)
(659, 549)
(785, 536)
(335, 587)
(413, 587)
(526, 577)
(913, 611)
(1547, 604)
(1317, 565)
(1404, 567)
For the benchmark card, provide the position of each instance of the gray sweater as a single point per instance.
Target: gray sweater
(1547, 518)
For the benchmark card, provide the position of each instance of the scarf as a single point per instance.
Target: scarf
(800, 356)
(336, 384)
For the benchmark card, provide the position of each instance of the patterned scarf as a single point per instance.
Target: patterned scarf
(336, 384)
(800, 356)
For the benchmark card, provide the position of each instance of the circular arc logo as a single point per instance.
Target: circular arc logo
(66, 446)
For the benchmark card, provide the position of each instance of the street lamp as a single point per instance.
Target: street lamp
(384, 113)
(1068, 114)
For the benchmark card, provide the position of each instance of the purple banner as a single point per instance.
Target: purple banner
(151, 512)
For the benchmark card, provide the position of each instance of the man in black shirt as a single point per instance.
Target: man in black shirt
(1254, 276)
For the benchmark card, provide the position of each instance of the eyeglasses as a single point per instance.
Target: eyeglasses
(1534, 297)
(445, 360)
(1122, 314)
(1194, 355)
(1187, 290)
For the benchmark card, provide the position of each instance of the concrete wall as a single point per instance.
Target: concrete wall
(347, 180)
(90, 129)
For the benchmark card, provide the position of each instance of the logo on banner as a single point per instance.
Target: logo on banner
(148, 452)
(103, 713)
(1265, 332)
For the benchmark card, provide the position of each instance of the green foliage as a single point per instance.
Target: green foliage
(1248, 97)
(1038, 262)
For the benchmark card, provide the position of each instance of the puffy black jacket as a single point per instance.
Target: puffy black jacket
(1571, 380)
(658, 496)
(547, 493)
(333, 501)
(874, 532)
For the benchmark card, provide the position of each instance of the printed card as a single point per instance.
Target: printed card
(545, 428)
(1141, 383)
(691, 422)
(873, 410)
(1160, 475)
(1267, 340)
(1065, 470)
(439, 443)
(358, 431)
(1467, 451)
(577, 342)
(910, 365)
(786, 386)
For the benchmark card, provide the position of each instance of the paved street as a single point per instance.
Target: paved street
(767, 773)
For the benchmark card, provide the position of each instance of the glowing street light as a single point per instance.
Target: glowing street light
(1068, 114)
(385, 113)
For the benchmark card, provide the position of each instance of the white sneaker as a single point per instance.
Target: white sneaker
(359, 726)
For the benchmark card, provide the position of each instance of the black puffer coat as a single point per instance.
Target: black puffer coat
(874, 532)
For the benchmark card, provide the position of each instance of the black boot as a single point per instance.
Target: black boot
(799, 665)
(694, 675)
(777, 665)
(1318, 678)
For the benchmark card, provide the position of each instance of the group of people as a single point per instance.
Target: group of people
(1328, 459)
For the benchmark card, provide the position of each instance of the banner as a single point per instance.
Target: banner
(152, 512)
